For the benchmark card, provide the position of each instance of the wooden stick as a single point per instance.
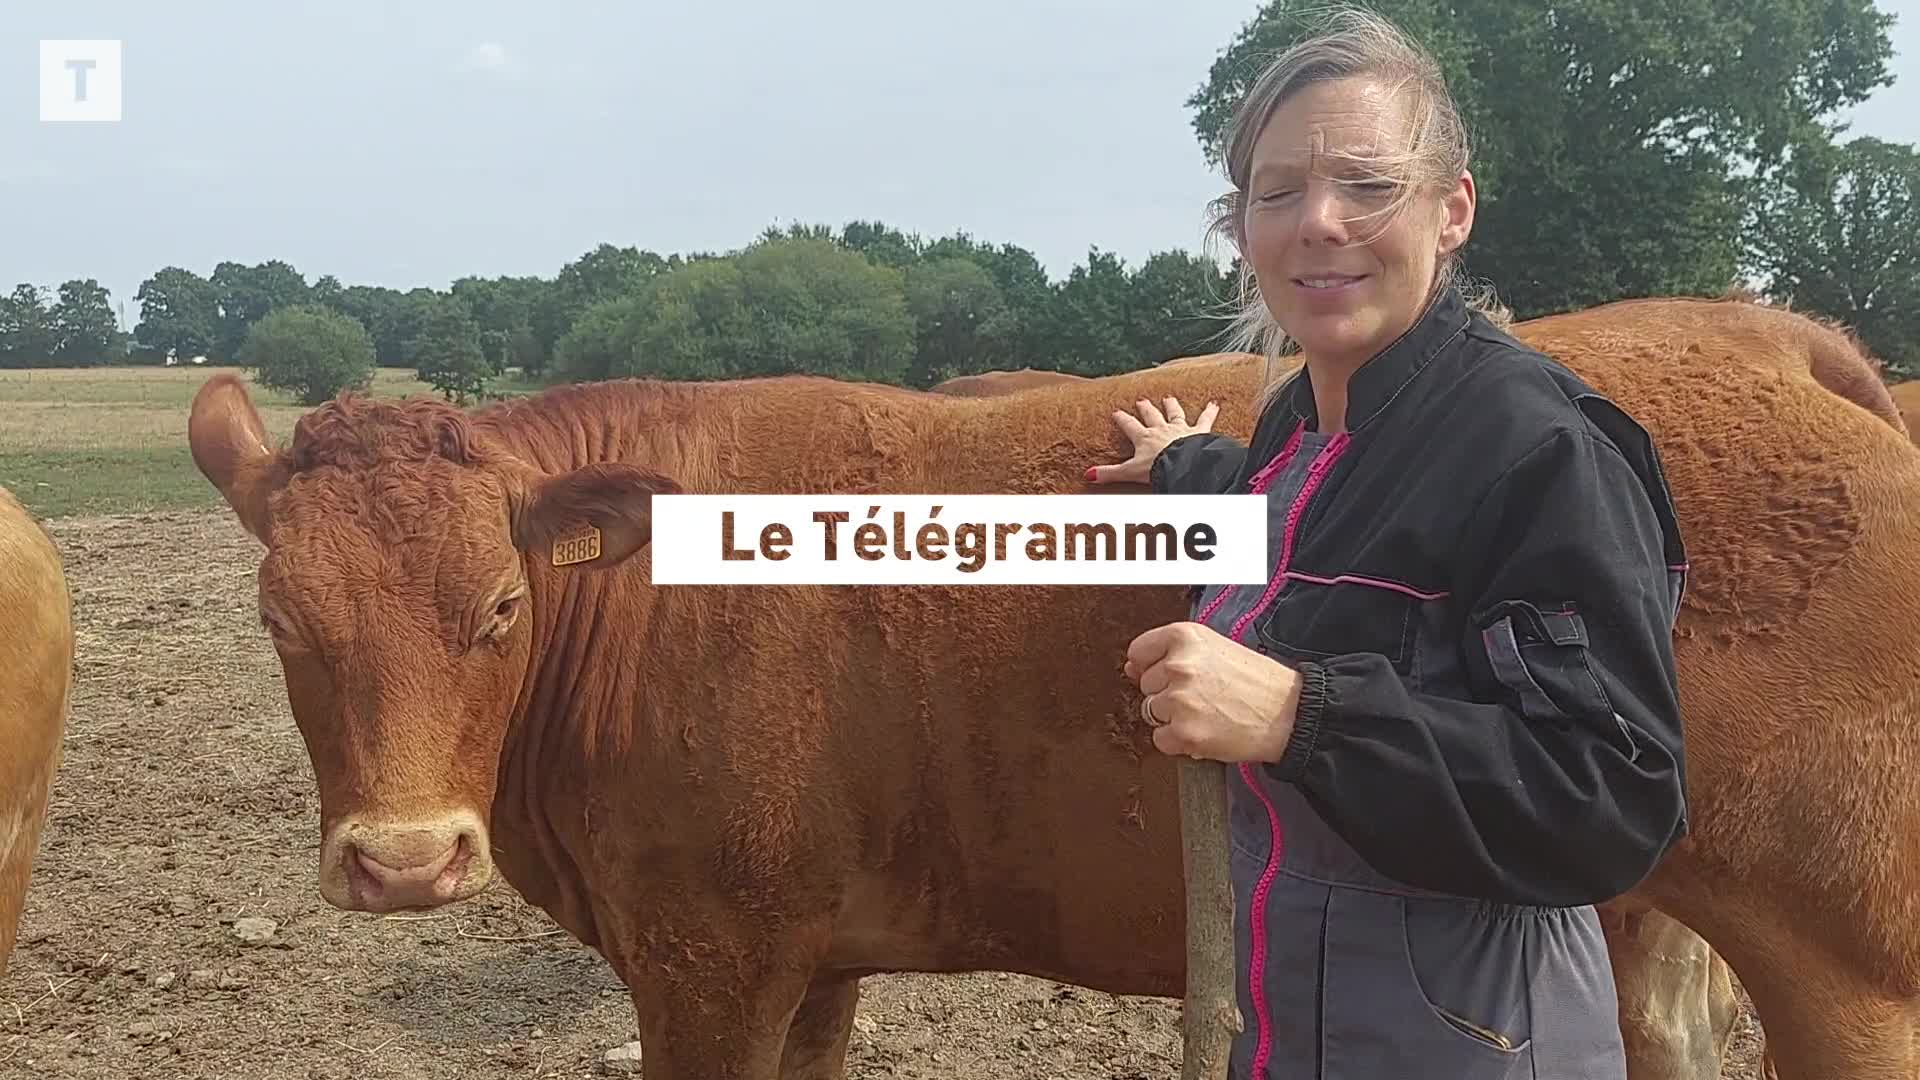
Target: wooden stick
(1211, 1018)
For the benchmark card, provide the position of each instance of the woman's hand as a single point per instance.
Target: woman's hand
(1209, 697)
(1149, 439)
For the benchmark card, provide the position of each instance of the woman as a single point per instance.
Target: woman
(1453, 708)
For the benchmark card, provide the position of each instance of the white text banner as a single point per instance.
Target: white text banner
(959, 539)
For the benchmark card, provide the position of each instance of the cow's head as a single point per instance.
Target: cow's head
(401, 547)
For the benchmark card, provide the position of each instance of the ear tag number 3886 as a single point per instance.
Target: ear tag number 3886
(578, 548)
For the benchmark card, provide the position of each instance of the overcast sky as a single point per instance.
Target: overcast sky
(410, 143)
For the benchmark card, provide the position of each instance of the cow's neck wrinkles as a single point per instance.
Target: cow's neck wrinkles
(582, 712)
(580, 716)
(721, 437)
(606, 642)
(570, 427)
(583, 686)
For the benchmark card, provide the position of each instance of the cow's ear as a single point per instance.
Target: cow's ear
(595, 516)
(229, 445)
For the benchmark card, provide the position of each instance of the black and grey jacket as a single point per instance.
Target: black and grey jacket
(1479, 591)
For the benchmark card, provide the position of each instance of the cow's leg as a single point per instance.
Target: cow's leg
(1822, 1021)
(817, 1038)
(1817, 1030)
(725, 1030)
(717, 1005)
(1677, 1005)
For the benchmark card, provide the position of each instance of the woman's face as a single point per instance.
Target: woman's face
(1339, 285)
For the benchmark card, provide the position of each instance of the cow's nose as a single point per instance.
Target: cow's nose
(407, 871)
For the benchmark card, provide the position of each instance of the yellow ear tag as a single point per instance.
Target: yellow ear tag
(578, 548)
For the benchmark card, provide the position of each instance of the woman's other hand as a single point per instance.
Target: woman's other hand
(1149, 438)
(1209, 697)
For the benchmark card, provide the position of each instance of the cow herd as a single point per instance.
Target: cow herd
(747, 799)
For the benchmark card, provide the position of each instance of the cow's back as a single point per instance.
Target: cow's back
(1732, 326)
(964, 770)
(1803, 602)
(1906, 398)
(1799, 635)
(36, 670)
(997, 383)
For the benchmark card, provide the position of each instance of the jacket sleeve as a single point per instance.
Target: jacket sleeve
(1206, 463)
(1560, 782)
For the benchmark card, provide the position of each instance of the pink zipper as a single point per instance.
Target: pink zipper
(1257, 916)
(1259, 487)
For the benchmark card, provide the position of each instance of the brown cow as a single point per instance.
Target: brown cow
(999, 383)
(1738, 323)
(1213, 358)
(36, 679)
(1675, 994)
(748, 798)
(1677, 1002)
(1906, 398)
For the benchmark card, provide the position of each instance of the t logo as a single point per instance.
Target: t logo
(80, 81)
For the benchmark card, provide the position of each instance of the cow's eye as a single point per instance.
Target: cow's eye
(502, 617)
(279, 630)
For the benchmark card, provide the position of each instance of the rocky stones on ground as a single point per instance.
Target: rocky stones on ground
(623, 1059)
(254, 930)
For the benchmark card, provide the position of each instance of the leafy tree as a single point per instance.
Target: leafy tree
(780, 306)
(179, 314)
(503, 309)
(403, 317)
(1091, 314)
(690, 324)
(446, 354)
(881, 243)
(1032, 340)
(608, 270)
(961, 323)
(326, 291)
(603, 343)
(309, 351)
(1838, 233)
(28, 337)
(378, 309)
(85, 330)
(604, 273)
(1176, 307)
(1610, 136)
(820, 309)
(248, 294)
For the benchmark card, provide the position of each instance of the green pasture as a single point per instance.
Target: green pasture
(114, 440)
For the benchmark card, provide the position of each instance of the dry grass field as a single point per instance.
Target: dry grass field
(185, 811)
(102, 440)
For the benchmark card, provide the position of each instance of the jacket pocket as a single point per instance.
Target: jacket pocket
(1313, 621)
(1466, 963)
(1539, 658)
(1417, 987)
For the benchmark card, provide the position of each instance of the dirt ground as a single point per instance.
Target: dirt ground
(185, 811)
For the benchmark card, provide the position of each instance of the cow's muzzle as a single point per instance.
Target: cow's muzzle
(380, 866)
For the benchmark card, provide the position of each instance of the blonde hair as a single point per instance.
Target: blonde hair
(1353, 42)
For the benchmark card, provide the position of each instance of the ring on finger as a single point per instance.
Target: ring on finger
(1146, 711)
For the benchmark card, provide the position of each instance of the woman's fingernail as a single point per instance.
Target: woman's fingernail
(1090, 473)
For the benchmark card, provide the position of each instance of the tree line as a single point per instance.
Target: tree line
(1618, 153)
